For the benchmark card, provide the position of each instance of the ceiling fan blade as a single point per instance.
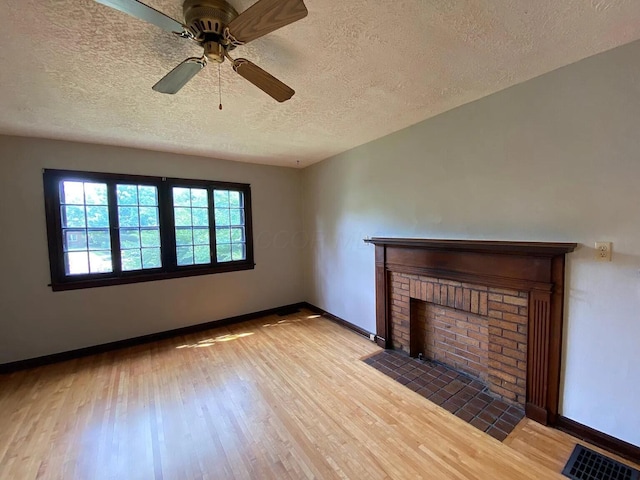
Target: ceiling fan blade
(264, 17)
(263, 80)
(144, 12)
(180, 76)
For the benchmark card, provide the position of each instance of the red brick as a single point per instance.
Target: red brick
(495, 314)
(459, 304)
(474, 286)
(493, 322)
(477, 336)
(494, 379)
(522, 302)
(483, 303)
(451, 296)
(518, 337)
(468, 357)
(429, 292)
(481, 352)
(516, 372)
(443, 295)
(518, 355)
(401, 279)
(459, 331)
(504, 291)
(514, 318)
(436, 294)
(423, 291)
(398, 302)
(448, 335)
(501, 391)
(501, 359)
(503, 307)
(505, 342)
(472, 327)
(516, 389)
(477, 320)
(469, 341)
(466, 299)
(475, 302)
(457, 315)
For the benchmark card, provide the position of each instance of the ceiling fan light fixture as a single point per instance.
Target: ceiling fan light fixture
(214, 51)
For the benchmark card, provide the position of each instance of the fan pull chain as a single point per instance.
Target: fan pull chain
(219, 88)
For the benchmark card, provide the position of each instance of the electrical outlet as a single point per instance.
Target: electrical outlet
(372, 337)
(603, 251)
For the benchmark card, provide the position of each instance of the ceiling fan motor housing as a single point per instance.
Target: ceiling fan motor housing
(207, 19)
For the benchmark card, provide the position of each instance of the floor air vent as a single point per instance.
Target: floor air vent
(586, 464)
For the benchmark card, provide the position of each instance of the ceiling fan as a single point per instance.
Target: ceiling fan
(219, 29)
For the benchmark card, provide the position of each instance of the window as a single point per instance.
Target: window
(108, 229)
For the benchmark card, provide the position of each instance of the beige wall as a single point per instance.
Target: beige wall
(554, 159)
(35, 321)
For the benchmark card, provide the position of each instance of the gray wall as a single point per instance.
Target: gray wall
(35, 321)
(553, 159)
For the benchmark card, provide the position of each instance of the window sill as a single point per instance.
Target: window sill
(148, 277)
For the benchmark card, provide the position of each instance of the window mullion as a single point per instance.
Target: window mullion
(248, 224)
(212, 227)
(167, 226)
(114, 228)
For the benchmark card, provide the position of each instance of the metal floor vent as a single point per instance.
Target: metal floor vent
(585, 464)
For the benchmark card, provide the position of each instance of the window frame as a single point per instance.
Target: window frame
(60, 281)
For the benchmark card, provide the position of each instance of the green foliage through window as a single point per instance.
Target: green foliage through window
(139, 227)
(123, 228)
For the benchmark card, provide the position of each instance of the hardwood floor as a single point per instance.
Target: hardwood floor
(280, 398)
(549, 447)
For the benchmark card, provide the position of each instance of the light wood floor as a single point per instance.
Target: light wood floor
(277, 398)
(550, 447)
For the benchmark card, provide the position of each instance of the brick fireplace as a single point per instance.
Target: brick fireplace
(473, 328)
(490, 309)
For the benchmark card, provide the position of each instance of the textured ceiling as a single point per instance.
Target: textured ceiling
(77, 70)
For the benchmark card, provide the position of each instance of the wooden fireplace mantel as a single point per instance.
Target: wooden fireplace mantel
(534, 267)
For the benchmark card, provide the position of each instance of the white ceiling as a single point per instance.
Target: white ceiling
(77, 70)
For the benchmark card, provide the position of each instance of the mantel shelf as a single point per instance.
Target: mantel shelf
(478, 246)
